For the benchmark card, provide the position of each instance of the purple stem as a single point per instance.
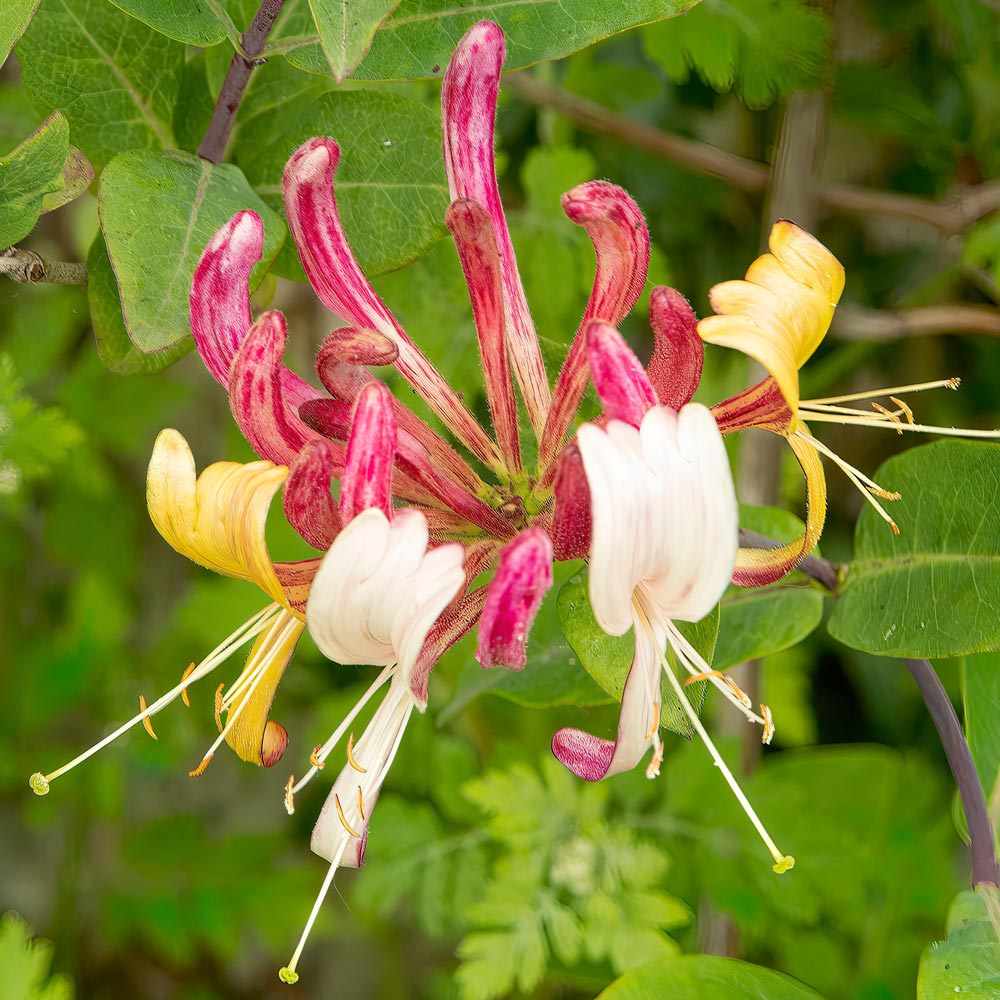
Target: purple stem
(984, 863)
(213, 145)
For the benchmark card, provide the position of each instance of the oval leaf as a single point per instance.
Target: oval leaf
(967, 962)
(932, 591)
(158, 211)
(185, 20)
(390, 184)
(705, 977)
(417, 40)
(346, 29)
(14, 19)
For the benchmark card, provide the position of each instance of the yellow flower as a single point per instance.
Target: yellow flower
(217, 520)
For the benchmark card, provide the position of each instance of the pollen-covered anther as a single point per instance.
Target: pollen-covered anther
(889, 415)
(704, 676)
(350, 756)
(953, 383)
(653, 768)
(741, 696)
(147, 723)
(343, 819)
(218, 706)
(290, 795)
(768, 734)
(288, 976)
(314, 757)
(39, 783)
(184, 691)
(907, 412)
(202, 767)
(885, 494)
(361, 805)
(656, 721)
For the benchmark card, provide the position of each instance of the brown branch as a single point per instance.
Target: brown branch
(27, 268)
(213, 145)
(948, 215)
(854, 323)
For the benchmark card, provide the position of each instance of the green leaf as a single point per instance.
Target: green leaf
(967, 962)
(28, 174)
(24, 965)
(115, 79)
(931, 591)
(390, 184)
(704, 977)
(981, 701)
(197, 23)
(758, 621)
(14, 19)
(764, 49)
(417, 40)
(116, 351)
(346, 29)
(74, 178)
(158, 211)
(607, 658)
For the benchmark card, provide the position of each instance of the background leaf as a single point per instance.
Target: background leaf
(14, 19)
(346, 28)
(197, 23)
(967, 962)
(158, 212)
(931, 591)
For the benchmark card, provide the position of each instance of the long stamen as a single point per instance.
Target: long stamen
(896, 390)
(782, 862)
(287, 973)
(866, 486)
(873, 420)
(328, 746)
(258, 671)
(248, 630)
(702, 671)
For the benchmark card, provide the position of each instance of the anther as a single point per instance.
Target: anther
(289, 976)
(200, 769)
(953, 383)
(289, 796)
(343, 819)
(218, 706)
(147, 723)
(741, 696)
(350, 756)
(704, 676)
(39, 783)
(768, 733)
(885, 494)
(314, 758)
(889, 415)
(906, 410)
(361, 805)
(784, 865)
(656, 721)
(184, 691)
(653, 770)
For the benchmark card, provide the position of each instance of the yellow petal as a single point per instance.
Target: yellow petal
(781, 312)
(218, 519)
(759, 567)
(252, 735)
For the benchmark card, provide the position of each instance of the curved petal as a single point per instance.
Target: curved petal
(618, 231)
(456, 621)
(781, 312)
(379, 590)
(674, 530)
(625, 391)
(762, 405)
(678, 352)
(220, 292)
(265, 396)
(217, 519)
(311, 207)
(592, 758)
(253, 736)
(371, 451)
(759, 567)
(468, 110)
(513, 598)
(306, 498)
(571, 523)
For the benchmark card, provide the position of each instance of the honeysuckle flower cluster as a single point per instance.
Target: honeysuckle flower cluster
(644, 493)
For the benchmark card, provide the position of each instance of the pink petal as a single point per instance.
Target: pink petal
(338, 365)
(265, 396)
(678, 351)
(571, 525)
(618, 231)
(309, 506)
(371, 452)
(592, 758)
(513, 597)
(456, 622)
(472, 230)
(621, 381)
(337, 279)
(468, 110)
(220, 293)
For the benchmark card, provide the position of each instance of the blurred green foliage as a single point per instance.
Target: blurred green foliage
(490, 871)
